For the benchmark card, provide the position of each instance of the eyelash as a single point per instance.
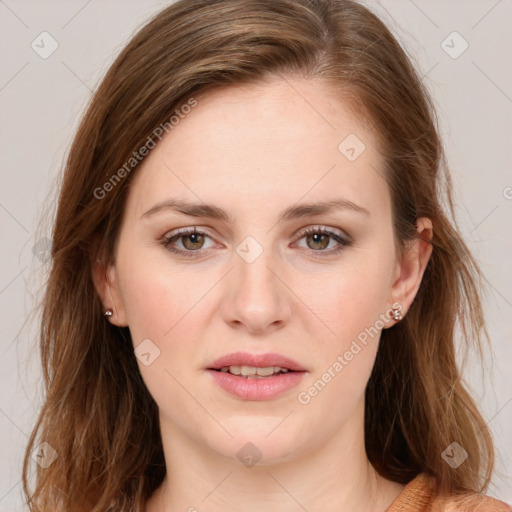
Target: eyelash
(343, 242)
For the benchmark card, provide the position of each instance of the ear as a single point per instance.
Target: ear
(411, 266)
(106, 284)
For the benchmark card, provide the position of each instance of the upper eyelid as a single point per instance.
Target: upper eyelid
(316, 227)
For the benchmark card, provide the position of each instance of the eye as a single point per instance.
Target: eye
(192, 240)
(318, 239)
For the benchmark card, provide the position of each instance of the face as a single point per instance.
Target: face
(252, 270)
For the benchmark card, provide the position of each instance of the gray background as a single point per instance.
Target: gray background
(41, 101)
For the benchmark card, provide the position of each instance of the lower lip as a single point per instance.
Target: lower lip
(257, 389)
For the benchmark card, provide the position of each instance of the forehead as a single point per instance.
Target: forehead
(278, 141)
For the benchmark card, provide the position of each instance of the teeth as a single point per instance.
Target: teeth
(252, 371)
(262, 372)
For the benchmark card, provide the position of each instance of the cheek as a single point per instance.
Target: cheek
(158, 299)
(352, 308)
(347, 300)
(351, 305)
(170, 307)
(166, 307)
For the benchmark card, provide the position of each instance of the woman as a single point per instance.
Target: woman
(254, 284)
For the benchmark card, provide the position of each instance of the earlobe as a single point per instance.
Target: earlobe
(412, 265)
(105, 282)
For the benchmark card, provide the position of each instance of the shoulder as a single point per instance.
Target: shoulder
(471, 503)
(420, 495)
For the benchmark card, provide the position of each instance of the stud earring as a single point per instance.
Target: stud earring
(396, 314)
(109, 312)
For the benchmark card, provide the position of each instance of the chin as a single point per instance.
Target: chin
(261, 444)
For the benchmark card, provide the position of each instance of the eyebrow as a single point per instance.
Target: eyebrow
(293, 212)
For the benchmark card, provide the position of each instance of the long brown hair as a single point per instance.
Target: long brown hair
(97, 408)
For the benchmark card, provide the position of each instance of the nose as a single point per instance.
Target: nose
(255, 297)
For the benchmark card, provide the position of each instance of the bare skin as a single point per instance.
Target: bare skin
(255, 151)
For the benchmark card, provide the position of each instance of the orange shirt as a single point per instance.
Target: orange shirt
(420, 495)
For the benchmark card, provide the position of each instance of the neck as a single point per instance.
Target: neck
(333, 476)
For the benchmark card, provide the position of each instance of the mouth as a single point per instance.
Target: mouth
(253, 372)
(256, 376)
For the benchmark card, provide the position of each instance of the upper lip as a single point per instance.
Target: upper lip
(256, 360)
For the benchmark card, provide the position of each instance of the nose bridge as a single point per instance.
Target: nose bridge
(256, 297)
(255, 282)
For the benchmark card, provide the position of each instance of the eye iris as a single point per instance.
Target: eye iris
(196, 239)
(318, 238)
